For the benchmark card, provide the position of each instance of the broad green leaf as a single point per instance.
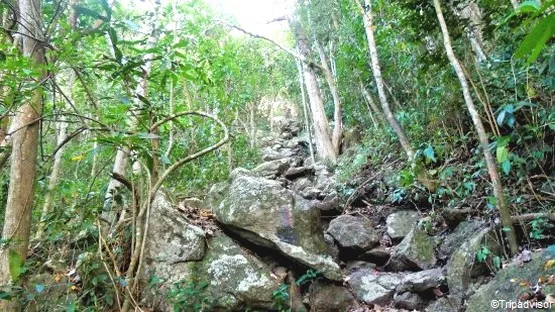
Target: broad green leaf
(502, 153)
(535, 41)
(506, 166)
(529, 6)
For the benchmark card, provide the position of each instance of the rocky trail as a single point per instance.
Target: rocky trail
(277, 237)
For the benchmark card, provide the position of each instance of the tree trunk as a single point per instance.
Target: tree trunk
(338, 127)
(376, 70)
(61, 129)
(324, 146)
(373, 111)
(19, 205)
(484, 142)
(305, 110)
(53, 180)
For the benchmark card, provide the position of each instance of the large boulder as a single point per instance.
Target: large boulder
(172, 245)
(462, 267)
(353, 232)
(236, 279)
(265, 213)
(400, 223)
(416, 251)
(507, 285)
(373, 287)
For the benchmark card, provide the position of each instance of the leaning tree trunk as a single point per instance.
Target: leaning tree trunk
(376, 70)
(337, 118)
(19, 205)
(305, 110)
(324, 146)
(484, 142)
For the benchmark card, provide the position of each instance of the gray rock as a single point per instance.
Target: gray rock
(449, 304)
(462, 267)
(399, 224)
(171, 247)
(329, 203)
(416, 251)
(409, 301)
(353, 232)
(373, 287)
(267, 214)
(506, 286)
(237, 280)
(422, 281)
(195, 203)
(460, 235)
(378, 255)
(327, 297)
(270, 154)
(311, 193)
(171, 239)
(294, 173)
(272, 169)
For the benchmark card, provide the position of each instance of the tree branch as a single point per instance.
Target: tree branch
(286, 50)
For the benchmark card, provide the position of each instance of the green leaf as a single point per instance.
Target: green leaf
(39, 288)
(530, 6)
(429, 153)
(506, 166)
(114, 40)
(15, 263)
(502, 153)
(71, 307)
(535, 41)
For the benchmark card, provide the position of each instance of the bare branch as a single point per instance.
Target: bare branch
(286, 50)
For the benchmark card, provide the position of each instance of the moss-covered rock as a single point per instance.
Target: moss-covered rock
(416, 251)
(462, 268)
(507, 284)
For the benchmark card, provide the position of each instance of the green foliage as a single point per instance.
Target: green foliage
(280, 296)
(188, 296)
(543, 20)
(538, 226)
(15, 264)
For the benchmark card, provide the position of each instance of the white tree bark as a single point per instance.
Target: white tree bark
(19, 205)
(322, 137)
(504, 210)
(338, 119)
(376, 70)
(305, 110)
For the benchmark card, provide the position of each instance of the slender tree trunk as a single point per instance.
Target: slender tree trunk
(61, 129)
(504, 210)
(324, 146)
(17, 220)
(373, 110)
(305, 110)
(376, 70)
(338, 127)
